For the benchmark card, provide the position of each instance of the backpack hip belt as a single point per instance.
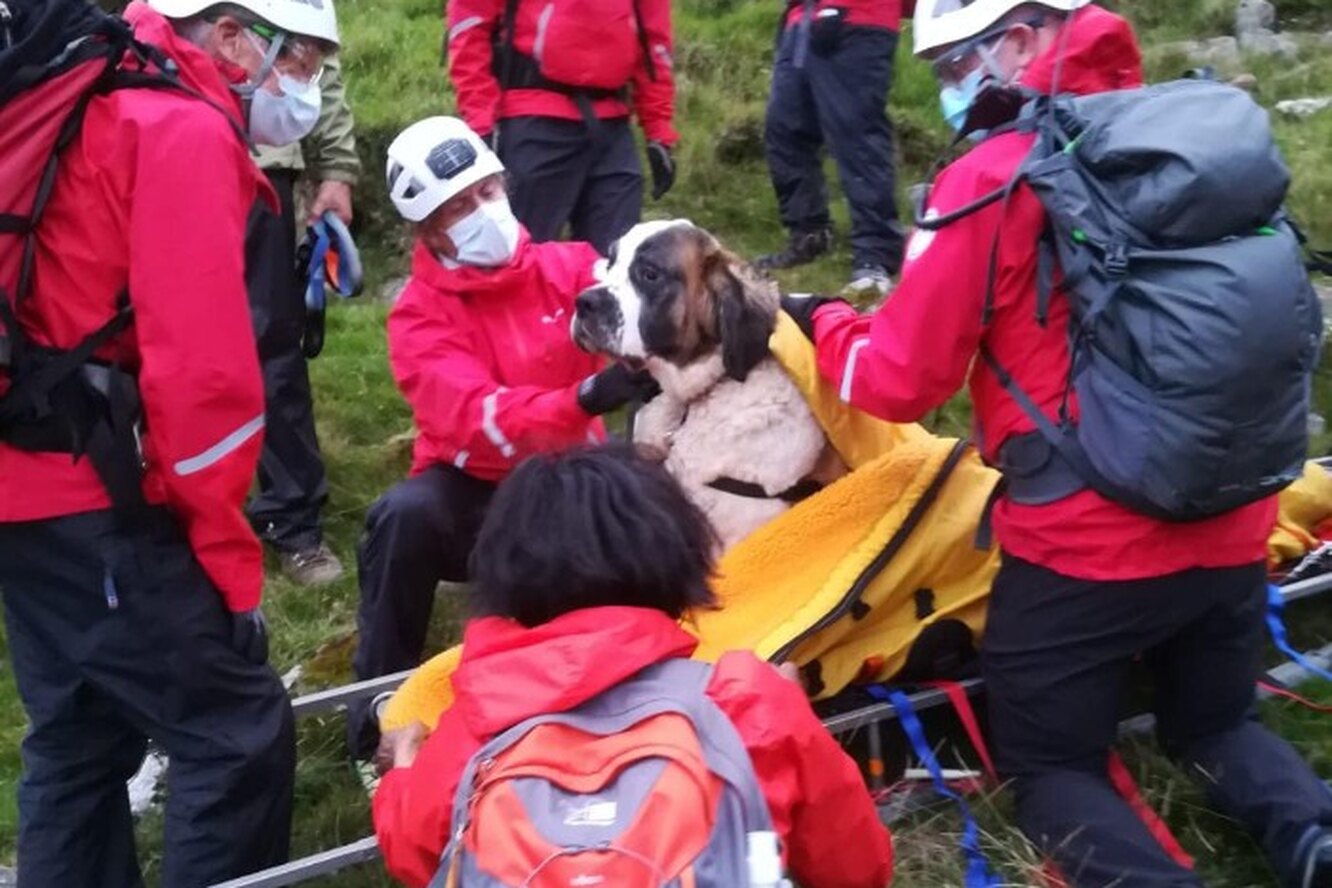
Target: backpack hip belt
(1034, 472)
(521, 71)
(58, 405)
(525, 73)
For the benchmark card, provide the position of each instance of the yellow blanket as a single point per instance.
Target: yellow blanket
(815, 584)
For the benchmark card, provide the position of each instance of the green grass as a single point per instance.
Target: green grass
(394, 70)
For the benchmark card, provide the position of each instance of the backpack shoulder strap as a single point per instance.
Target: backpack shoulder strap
(508, 26)
(643, 40)
(1045, 267)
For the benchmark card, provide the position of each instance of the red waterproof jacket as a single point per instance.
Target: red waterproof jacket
(918, 349)
(868, 13)
(829, 829)
(473, 25)
(152, 197)
(485, 360)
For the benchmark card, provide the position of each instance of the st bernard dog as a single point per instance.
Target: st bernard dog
(733, 429)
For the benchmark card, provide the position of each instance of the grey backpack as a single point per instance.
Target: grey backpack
(647, 784)
(1194, 327)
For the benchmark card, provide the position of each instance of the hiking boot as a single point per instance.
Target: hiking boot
(870, 281)
(312, 567)
(802, 248)
(1313, 860)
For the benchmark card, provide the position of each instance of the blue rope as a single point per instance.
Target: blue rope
(978, 867)
(1275, 606)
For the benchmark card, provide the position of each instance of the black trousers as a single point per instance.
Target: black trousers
(419, 533)
(1055, 657)
(117, 636)
(563, 171)
(837, 98)
(292, 484)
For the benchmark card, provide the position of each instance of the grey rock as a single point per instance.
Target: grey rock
(392, 289)
(1254, 15)
(8, 878)
(1265, 42)
(144, 788)
(1324, 292)
(1304, 107)
(1246, 82)
(1222, 52)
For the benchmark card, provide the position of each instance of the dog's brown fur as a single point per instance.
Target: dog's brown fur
(727, 408)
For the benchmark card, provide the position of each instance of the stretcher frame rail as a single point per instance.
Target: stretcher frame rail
(871, 716)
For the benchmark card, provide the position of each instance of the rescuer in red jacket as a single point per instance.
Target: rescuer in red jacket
(142, 620)
(551, 85)
(1086, 584)
(479, 345)
(584, 567)
(831, 76)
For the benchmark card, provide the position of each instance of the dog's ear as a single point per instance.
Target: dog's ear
(744, 319)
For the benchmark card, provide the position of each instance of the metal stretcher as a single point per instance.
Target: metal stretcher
(871, 717)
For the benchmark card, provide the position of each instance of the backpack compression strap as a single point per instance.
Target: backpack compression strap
(59, 401)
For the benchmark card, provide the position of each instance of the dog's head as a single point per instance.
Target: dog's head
(670, 290)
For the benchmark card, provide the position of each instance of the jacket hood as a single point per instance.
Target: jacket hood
(467, 280)
(509, 673)
(1096, 52)
(199, 70)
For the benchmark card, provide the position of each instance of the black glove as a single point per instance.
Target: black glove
(662, 163)
(801, 308)
(249, 635)
(614, 387)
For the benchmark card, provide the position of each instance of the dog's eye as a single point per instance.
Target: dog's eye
(650, 274)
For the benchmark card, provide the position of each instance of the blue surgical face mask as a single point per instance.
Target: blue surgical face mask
(956, 100)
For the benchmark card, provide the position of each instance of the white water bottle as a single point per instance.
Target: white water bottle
(765, 861)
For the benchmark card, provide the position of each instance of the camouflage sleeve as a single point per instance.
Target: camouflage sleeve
(331, 146)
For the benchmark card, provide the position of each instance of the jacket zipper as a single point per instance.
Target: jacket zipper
(852, 598)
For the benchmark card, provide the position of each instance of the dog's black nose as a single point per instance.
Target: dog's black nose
(593, 301)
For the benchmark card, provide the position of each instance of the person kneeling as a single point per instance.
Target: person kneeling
(479, 345)
(583, 567)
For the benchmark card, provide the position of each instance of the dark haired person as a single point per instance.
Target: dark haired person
(582, 570)
(479, 345)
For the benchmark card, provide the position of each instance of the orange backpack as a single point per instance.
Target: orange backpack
(647, 784)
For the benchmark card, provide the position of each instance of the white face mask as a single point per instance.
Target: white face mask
(286, 118)
(487, 237)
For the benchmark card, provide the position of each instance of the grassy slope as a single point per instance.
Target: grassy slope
(722, 68)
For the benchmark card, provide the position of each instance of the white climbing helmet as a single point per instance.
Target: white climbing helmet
(303, 18)
(431, 161)
(939, 23)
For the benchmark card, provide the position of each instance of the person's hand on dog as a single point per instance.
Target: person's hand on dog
(801, 308)
(614, 387)
(398, 749)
